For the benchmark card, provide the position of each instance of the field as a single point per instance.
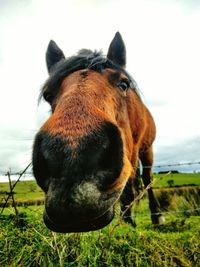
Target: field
(24, 191)
(25, 241)
(179, 179)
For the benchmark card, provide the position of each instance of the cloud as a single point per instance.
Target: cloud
(179, 152)
(16, 146)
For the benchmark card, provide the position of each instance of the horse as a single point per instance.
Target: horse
(85, 156)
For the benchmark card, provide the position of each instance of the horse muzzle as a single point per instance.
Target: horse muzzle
(78, 209)
(79, 225)
(77, 181)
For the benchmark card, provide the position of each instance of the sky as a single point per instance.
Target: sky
(163, 56)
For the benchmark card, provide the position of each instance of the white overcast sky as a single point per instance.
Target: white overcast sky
(163, 55)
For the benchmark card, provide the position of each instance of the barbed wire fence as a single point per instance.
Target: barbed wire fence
(26, 171)
(12, 186)
(159, 166)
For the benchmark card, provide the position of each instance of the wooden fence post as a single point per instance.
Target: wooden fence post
(13, 186)
(12, 194)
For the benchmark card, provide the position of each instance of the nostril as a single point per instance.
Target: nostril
(112, 159)
(47, 158)
(40, 169)
(49, 153)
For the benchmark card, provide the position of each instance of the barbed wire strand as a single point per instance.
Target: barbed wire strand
(186, 211)
(142, 214)
(174, 165)
(134, 167)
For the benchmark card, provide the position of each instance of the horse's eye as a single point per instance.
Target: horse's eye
(124, 85)
(48, 97)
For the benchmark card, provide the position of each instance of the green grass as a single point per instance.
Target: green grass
(27, 242)
(23, 189)
(25, 193)
(179, 179)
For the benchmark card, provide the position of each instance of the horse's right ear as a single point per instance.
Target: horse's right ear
(117, 51)
(53, 55)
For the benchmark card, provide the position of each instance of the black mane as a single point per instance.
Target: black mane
(85, 59)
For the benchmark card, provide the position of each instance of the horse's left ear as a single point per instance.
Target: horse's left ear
(53, 55)
(117, 51)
